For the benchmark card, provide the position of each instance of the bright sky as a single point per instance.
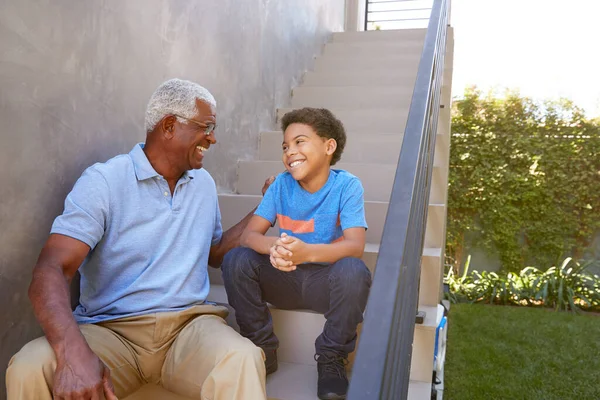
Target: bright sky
(544, 48)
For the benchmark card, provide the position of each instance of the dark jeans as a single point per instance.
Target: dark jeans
(338, 290)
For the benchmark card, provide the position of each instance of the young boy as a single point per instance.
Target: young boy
(315, 263)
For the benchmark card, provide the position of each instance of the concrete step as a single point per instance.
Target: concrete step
(369, 257)
(431, 272)
(394, 97)
(289, 382)
(299, 382)
(367, 120)
(371, 148)
(381, 148)
(377, 179)
(298, 329)
(389, 64)
(392, 36)
(373, 49)
(354, 78)
(235, 207)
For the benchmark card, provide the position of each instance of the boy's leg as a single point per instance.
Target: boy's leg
(340, 291)
(251, 281)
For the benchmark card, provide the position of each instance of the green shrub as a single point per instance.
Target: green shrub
(568, 287)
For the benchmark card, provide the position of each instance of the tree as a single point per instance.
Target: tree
(524, 180)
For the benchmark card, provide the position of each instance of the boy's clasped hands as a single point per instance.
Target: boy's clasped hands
(287, 252)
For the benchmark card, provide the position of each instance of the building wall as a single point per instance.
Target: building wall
(75, 77)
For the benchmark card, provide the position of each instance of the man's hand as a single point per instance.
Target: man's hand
(294, 250)
(268, 182)
(82, 376)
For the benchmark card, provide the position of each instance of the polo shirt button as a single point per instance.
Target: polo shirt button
(166, 193)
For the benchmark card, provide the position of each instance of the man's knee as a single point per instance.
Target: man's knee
(238, 261)
(36, 358)
(248, 353)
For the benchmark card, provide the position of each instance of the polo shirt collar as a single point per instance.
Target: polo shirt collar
(143, 168)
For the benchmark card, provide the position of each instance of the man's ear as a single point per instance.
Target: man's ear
(168, 126)
(330, 146)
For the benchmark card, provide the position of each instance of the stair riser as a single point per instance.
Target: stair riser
(373, 50)
(377, 179)
(370, 259)
(298, 330)
(394, 97)
(391, 36)
(368, 148)
(404, 77)
(366, 121)
(388, 65)
(371, 148)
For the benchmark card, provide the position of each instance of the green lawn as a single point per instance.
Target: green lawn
(497, 352)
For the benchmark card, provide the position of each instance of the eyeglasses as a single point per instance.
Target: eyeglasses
(208, 128)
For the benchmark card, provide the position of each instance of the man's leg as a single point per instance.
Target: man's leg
(210, 361)
(251, 281)
(30, 373)
(340, 291)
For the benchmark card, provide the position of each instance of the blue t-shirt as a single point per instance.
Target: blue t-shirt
(316, 218)
(149, 250)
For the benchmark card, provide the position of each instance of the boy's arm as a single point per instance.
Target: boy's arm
(254, 235)
(353, 245)
(255, 239)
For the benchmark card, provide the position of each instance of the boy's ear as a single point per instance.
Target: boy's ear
(330, 146)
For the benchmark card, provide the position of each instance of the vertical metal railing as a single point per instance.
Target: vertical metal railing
(382, 366)
(397, 14)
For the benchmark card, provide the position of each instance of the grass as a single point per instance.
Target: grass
(497, 352)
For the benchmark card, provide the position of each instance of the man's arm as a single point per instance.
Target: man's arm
(78, 369)
(231, 237)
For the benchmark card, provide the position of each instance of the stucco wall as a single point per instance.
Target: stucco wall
(75, 78)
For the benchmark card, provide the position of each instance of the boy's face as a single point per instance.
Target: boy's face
(305, 153)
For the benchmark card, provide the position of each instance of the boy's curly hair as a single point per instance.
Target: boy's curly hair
(323, 122)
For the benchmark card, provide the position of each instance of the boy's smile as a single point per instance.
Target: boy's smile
(307, 156)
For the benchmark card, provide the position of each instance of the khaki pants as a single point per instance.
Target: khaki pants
(193, 353)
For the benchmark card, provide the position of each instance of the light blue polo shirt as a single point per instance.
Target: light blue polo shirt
(149, 250)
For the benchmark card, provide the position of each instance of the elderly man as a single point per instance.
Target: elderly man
(142, 229)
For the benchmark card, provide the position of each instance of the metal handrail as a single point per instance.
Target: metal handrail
(368, 12)
(382, 365)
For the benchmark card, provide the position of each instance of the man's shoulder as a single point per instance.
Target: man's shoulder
(111, 170)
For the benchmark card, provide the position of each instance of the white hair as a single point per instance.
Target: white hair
(176, 97)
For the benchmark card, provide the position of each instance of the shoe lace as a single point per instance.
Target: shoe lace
(332, 365)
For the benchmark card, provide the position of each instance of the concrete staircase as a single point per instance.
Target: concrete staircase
(366, 79)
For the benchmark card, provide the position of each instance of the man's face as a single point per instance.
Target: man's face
(191, 140)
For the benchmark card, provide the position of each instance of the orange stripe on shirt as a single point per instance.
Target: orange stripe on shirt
(296, 226)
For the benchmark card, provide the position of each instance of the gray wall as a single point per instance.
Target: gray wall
(75, 78)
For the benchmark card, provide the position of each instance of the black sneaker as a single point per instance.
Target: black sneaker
(333, 382)
(270, 360)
